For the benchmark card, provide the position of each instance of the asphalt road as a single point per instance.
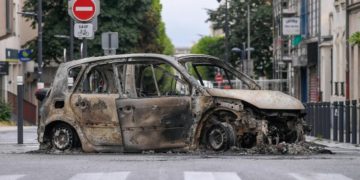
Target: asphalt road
(17, 164)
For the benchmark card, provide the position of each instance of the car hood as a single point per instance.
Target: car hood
(262, 99)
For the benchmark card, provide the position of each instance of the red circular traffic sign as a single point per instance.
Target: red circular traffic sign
(84, 10)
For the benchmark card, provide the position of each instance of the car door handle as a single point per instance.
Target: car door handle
(81, 104)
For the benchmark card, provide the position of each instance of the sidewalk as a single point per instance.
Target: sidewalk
(8, 140)
(334, 145)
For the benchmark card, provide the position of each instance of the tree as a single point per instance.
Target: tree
(261, 33)
(134, 21)
(209, 45)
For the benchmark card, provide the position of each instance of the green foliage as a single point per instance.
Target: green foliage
(5, 111)
(209, 45)
(138, 23)
(261, 33)
(355, 38)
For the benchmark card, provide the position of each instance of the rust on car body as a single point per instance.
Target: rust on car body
(137, 102)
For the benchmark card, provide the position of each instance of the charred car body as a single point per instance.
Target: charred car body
(137, 102)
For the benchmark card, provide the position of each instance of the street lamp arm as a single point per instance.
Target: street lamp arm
(28, 13)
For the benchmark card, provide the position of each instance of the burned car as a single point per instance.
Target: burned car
(139, 102)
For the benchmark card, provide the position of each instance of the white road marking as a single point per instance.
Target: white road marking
(83, 8)
(190, 175)
(101, 176)
(319, 176)
(10, 177)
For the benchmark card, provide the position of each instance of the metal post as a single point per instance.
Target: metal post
(85, 48)
(226, 31)
(323, 120)
(71, 57)
(317, 119)
(354, 122)
(328, 120)
(347, 121)
(248, 37)
(312, 119)
(335, 123)
(40, 39)
(20, 109)
(341, 122)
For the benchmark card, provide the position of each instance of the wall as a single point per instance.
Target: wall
(354, 56)
(22, 32)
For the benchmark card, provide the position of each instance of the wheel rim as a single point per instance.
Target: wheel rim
(62, 138)
(216, 138)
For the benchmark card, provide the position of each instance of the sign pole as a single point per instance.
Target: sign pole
(20, 108)
(71, 57)
(85, 47)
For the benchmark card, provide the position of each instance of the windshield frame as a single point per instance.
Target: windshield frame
(210, 60)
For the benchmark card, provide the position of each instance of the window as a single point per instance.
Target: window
(100, 79)
(73, 76)
(208, 75)
(153, 80)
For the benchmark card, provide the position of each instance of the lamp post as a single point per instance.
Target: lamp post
(248, 29)
(226, 28)
(38, 16)
(245, 64)
(40, 40)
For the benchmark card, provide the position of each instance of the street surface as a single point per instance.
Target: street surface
(17, 163)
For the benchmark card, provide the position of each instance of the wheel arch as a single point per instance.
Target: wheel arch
(52, 124)
(200, 125)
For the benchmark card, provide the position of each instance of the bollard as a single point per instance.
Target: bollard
(20, 109)
(341, 122)
(328, 120)
(322, 120)
(318, 112)
(315, 118)
(336, 119)
(347, 121)
(354, 122)
(312, 119)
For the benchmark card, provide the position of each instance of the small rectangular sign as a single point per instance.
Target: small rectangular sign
(84, 30)
(291, 26)
(20, 80)
(11, 55)
(4, 68)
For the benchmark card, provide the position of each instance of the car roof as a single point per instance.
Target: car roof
(184, 57)
(113, 57)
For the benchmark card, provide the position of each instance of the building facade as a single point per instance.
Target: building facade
(319, 63)
(15, 31)
(353, 21)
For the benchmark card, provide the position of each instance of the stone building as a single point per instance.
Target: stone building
(15, 31)
(353, 22)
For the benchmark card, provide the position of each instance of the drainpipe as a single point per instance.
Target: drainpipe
(319, 53)
(347, 52)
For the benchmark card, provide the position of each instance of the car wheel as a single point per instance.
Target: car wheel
(220, 137)
(62, 137)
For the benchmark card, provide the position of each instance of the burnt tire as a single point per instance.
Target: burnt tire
(220, 137)
(63, 137)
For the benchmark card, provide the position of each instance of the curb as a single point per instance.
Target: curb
(333, 144)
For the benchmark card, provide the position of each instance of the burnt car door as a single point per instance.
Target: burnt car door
(93, 102)
(155, 110)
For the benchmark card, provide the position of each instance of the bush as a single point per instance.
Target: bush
(355, 38)
(5, 111)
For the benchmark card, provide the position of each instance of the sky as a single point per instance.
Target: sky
(185, 20)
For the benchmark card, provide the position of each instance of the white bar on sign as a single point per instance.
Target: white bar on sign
(83, 8)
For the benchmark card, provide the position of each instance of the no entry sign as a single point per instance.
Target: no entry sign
(84, 10)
